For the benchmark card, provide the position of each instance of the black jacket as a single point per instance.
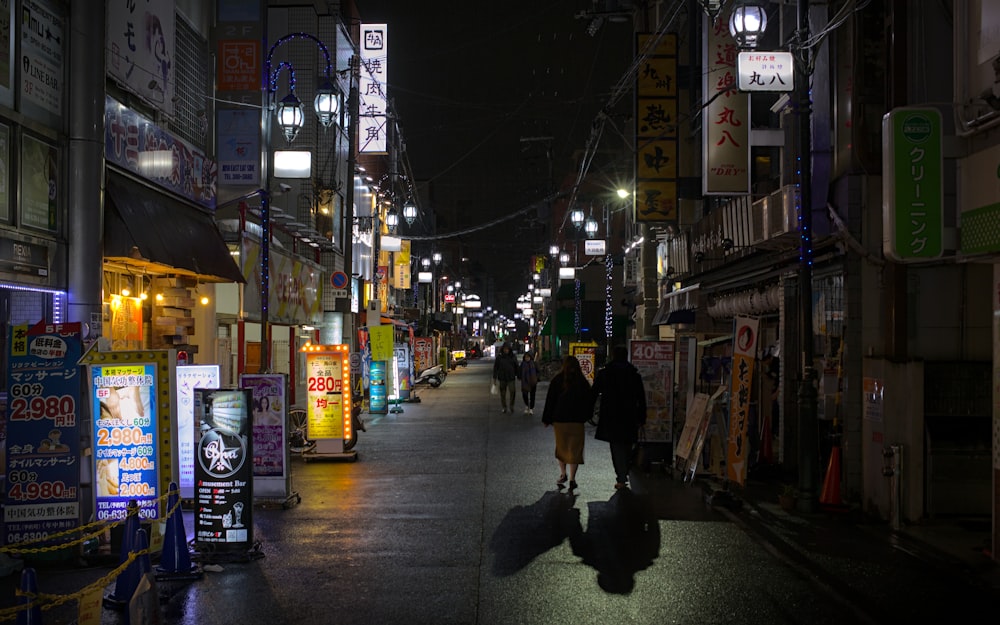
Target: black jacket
(623, 402)
(506, 367)
(574, 405)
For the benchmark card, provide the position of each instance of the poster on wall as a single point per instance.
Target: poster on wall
(224, 470)
(188, 378)
(125, 442)
(423, 353)
(42, 64)
(39, 183)
(655, 362)
(43, 431)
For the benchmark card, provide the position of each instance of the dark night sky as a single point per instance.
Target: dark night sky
(495, 108)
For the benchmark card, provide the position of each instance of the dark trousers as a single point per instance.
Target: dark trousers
(621, 453)
(528, 393)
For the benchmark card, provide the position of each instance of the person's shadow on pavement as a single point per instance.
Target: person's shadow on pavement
(622, 538)
(526, 532)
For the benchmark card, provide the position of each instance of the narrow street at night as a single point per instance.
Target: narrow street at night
(451, 515)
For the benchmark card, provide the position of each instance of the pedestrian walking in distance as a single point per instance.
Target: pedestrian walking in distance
(529, 382)
(505, 369)
(568, 404)
(618, 385)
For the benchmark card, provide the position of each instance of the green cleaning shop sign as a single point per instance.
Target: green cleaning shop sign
(912, 185)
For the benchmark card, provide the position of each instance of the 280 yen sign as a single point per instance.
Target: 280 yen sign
(325, 384)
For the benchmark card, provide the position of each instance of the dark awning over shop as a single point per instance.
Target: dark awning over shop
(565, 322)
(683, 316)
(143, 226)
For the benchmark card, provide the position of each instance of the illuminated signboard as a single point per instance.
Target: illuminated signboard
(125, 445)
(188, 378)
(42, 431)
(328, 392)
(224, 469)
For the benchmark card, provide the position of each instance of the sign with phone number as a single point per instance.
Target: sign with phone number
(124, 409)
(42, 445)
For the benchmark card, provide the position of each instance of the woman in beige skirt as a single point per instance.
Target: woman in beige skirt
(568, 405)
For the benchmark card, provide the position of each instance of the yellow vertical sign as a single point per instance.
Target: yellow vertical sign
(656, 119)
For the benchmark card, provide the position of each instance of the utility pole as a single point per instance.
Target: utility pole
(807, 395)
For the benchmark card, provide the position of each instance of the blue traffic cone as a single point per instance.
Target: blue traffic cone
(129, 578)
(175, 561)
(142, 562)
(29, 588)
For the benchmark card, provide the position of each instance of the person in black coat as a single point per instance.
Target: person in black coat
(622, 394)
(505, 372)
(568, 405)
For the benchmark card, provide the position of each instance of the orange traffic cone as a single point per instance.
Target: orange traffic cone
(829, 498)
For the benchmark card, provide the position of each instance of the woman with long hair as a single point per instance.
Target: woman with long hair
(568, 405)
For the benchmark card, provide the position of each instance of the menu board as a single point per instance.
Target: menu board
(326, 391)
(224, 469)
(42, 431)
(188, 378)
(125, 445)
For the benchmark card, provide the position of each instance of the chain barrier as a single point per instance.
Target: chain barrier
(103, 525)
(49, 601)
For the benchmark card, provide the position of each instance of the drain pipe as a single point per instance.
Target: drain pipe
(892, 464)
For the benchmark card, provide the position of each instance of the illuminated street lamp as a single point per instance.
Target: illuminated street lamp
(409, 212)
(290, 118)
(391, 220)
(747, 23)
(590, 227)
(576, 216)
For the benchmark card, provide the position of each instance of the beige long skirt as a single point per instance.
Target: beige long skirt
(569, 442)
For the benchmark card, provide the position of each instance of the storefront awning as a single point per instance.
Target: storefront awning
(142, 227)
(677, 317)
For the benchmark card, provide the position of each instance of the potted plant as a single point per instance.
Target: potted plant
(787, 498)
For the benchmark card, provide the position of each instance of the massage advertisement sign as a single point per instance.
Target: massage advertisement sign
(224, 469)
(43, 431)
(125, 446)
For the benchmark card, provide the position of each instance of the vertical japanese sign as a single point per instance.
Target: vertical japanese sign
(125, 444)
(328, 392)
(744, 357)
(224, 471)
(423, 353)
(655, 362)
(269, 408)
(656, 129)
(42, 62)
(372, 89)
(141, 54)
(7, 50)
(188, 378)
(726, 123)
(912, 184)
(43, 431)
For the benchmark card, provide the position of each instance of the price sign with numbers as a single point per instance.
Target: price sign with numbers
(328, 390)
(125, 445)
(43, 431)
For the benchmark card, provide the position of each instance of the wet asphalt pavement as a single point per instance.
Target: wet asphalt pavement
(450, 515)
